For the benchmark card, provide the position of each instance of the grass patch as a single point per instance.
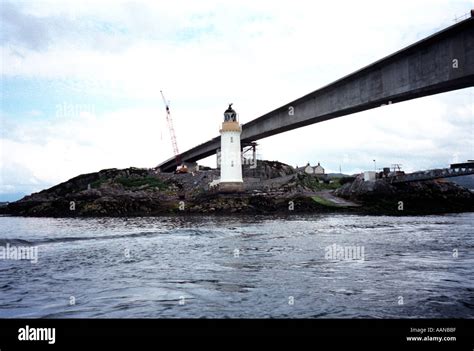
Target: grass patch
(96, 184)
(322, 201)
(314, 184)
(152, 182)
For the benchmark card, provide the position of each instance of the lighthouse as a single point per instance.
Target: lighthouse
(230, 156)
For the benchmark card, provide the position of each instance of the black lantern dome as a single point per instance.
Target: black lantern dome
(230, 115)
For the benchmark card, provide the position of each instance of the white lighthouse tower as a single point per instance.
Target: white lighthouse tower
(230, 157)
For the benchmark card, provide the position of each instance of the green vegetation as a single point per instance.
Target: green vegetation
(97, 183)
(314, 183)
(322, 201)
(152, 182)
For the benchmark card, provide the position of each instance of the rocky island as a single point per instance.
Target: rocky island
(270, 188)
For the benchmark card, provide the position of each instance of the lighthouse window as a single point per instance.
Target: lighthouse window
(231, 139)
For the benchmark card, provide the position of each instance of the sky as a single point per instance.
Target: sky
(80, 83)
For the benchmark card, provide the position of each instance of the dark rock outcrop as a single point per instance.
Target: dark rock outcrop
(147, 192)
(433, 196)
(268, 170)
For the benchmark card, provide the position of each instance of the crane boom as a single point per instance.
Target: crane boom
(169, 120)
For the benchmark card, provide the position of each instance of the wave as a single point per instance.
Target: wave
(23, 242)
(15, 242)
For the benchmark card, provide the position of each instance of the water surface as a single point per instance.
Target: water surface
(240, 267)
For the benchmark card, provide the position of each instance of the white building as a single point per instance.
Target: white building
(370, 176)
(318, 169)
(230, 155)
(308, 169)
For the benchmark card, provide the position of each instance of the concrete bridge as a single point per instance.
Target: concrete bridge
(439, 63)
(432, 174)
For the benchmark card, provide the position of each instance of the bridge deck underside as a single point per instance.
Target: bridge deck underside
(439, 63)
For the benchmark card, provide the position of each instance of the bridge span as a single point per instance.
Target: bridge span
(432, 174)
(439, 63)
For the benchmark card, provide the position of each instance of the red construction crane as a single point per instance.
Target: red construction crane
(181, 168)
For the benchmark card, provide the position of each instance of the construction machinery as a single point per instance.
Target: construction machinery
(181, 167)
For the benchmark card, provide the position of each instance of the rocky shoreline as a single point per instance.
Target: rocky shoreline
(414, 198)
(278, 189)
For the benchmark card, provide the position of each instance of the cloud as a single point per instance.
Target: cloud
(21, 29)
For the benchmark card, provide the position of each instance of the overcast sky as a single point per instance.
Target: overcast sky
(81, 81)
